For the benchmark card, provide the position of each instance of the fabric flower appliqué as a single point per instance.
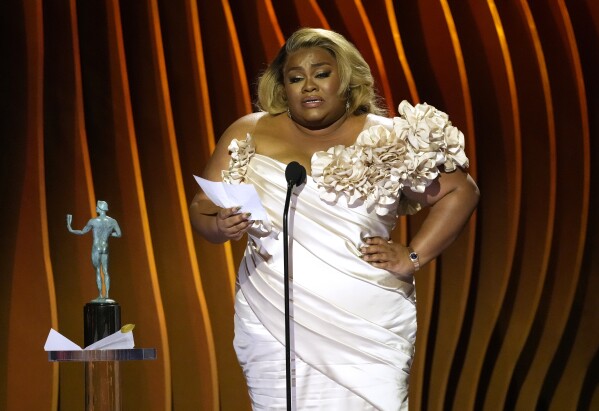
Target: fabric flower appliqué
(382, 162)
(241, 152)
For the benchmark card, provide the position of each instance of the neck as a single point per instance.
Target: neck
(319, 130)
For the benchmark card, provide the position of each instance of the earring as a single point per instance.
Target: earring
(348, 94)
(288, 113)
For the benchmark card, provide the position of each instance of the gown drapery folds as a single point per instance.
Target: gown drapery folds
(353, 325)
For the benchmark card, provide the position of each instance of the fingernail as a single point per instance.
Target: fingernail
(247, 215)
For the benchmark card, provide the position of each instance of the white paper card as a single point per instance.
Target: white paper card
(57, 342)
(233, 195)
(117, 341)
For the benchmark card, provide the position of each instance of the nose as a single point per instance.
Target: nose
(309, 85)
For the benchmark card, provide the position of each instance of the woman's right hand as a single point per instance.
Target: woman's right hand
(231, 224)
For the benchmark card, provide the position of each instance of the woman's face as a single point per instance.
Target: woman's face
(312, 81)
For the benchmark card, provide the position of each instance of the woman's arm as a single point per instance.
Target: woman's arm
(217, 224)
(452, 198)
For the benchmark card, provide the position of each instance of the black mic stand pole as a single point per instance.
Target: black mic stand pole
(290, 185)
(295, 174)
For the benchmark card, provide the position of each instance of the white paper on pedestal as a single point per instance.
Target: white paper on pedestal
(234, 195)
(117, 341)
(57, 342)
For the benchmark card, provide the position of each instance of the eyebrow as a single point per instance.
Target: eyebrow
(314, 65)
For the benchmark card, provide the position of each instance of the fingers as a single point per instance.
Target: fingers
(387, 255)
(384, 254)
(377, 249)
(232, 223)
(227, 212)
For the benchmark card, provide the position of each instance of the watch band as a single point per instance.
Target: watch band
(414, 258)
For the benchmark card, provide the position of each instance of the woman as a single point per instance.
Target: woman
(354, 308)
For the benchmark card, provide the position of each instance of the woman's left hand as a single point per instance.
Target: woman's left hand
(387, 255)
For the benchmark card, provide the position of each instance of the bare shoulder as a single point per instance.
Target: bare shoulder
(243, 125)
(237, 130)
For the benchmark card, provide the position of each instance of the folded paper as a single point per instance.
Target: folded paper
(120, 340)
(234, 195)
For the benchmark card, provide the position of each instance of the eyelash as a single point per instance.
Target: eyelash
(323, 74)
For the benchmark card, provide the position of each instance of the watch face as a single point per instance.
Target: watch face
(413, 256)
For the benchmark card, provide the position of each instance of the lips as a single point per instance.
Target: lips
(312, 101)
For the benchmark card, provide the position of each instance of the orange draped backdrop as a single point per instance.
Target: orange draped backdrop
(123, 100)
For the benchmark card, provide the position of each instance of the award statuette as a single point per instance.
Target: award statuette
(103, 228)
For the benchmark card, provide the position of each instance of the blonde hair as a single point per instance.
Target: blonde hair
(354, 73)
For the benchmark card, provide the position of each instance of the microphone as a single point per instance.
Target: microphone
(295, 174)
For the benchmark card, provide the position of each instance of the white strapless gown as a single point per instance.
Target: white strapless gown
(354, 325)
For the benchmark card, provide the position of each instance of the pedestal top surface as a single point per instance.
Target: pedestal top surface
(103, 355)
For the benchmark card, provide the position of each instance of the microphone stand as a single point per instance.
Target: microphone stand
(290, 185)
(295, 174)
